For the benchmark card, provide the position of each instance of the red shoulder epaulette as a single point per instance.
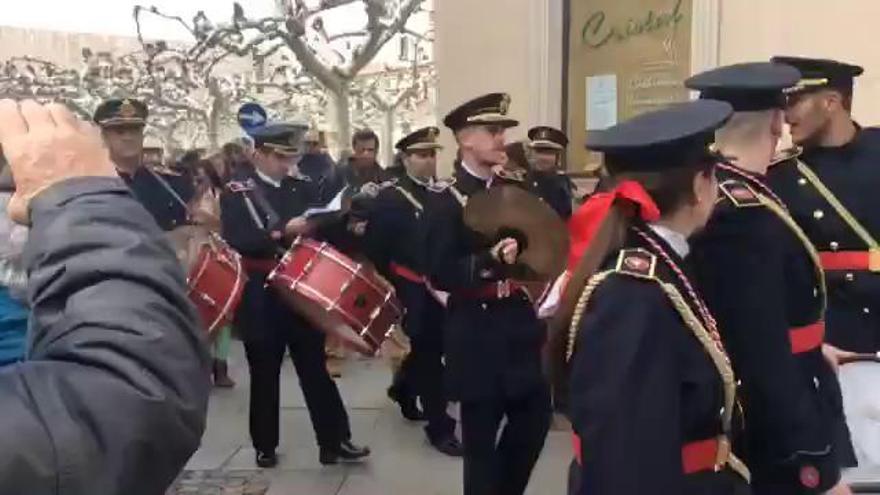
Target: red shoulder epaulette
(740, 194)
(636, 262)
(238, 186)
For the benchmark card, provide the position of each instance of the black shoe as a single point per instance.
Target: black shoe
(449, 445)
(346, 452)
(267, 459)
(408, 406)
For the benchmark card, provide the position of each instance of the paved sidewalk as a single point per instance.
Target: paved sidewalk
(402, 462)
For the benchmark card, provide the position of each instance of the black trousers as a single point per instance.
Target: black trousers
(421, 372)
(282, 331)
(502, 465)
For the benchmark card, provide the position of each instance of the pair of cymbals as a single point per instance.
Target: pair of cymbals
(510, 211)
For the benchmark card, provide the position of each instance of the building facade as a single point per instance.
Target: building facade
(562, 59)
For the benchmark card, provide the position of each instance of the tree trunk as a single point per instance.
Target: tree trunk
(215, 113)
(342, 114)
(387, 144)
(213, 131)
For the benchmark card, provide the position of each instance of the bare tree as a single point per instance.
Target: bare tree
(392, 95)
(298, 26)
(29, 77)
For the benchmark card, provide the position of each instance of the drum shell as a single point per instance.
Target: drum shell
(336, 294)
(216, 284)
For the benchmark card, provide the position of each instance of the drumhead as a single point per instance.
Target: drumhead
(861, 402)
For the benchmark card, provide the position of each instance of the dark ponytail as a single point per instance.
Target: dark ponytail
(670, 191)
(608, 239)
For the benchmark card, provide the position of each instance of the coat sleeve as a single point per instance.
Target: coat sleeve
(740, 266)
(113, 396)
(383, 229)
(625, 381)
(451, 264)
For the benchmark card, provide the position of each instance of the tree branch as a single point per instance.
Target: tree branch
(379, 33)
(351, 34)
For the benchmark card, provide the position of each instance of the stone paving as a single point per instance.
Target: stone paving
(402, 463)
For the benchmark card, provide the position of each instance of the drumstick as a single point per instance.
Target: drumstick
(861, 358)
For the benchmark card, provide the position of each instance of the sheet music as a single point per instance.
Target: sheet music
(333, 206)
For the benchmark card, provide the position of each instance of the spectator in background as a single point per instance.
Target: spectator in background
(187, 161)
(114, 394)
(362, 167)
(13, 288)
(208, 186)
(516, 157)
(397, 168)
(235, 159)
(317, 165)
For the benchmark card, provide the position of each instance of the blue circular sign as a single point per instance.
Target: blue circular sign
(251, 116)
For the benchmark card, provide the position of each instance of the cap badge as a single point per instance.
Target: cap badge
(504, 104)
(127, 109)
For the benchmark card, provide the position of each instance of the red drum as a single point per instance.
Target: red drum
(337, 295)
(215, 276)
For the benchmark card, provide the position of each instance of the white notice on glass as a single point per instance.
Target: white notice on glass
(601, 101)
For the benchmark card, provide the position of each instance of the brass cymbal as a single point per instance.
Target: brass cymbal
(509, 211)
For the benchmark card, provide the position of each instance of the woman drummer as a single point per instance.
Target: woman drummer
(648, 372)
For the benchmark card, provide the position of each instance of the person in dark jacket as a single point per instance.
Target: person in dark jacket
(362, 167)
(164, 192)
(762, 280)
(13, 287)
(114, 394)
(830, 184)
(324, 174)
(395, 241)
(548, 146)
(653, 392)
(493, 338)
(262, 213)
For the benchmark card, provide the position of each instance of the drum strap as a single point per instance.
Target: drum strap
(253, 212)
(838, 207)
(272, 217)
(459, 196)
(165, 185)
(409, 197)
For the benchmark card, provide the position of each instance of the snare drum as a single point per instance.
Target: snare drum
(214, 275)
(336, 294)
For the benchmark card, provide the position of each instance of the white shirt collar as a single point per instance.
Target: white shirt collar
(467, 168)
(265, 178)
(421, 182)
(676, 240)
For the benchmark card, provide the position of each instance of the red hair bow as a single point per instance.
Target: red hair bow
(585, 222)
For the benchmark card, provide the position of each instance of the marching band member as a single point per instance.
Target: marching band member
(261, 214)
(762, 280)
(165, 193)
(493, 336)
(831, 190)
(548, 147)
(648, 371)
(395, 242)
